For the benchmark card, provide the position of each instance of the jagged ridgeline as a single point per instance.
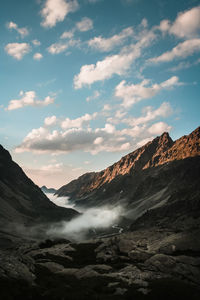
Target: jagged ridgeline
(157, 174)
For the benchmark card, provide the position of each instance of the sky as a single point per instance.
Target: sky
(84, 82)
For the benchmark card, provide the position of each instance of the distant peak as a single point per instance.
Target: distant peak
(43, 187)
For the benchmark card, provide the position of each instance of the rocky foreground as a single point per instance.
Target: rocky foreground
(142, 264)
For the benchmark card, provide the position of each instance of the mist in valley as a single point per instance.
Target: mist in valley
(89, 222)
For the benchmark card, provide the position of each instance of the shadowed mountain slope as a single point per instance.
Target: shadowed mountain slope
(21, 201)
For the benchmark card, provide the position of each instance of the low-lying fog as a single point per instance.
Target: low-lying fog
(60, 201)
(90, 219)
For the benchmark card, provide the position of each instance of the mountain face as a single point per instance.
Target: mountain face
(155, 153)
(145, 179)
(21, 201)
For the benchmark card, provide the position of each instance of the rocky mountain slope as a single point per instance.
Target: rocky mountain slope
(21, 201)
(146, 177)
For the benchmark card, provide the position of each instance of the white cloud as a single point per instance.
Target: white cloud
(17, 50)
(103, 44)
(78, 122)
(149, 115)
(95, 95)
(184, 65)
(182, 50)
(28, 99)
(56, 10)
(136, 92)
(22, 31)
(85, 24)
(61, 46)
(186, 25)
(37, 56)
(159, 128)
(57, 48)
(114, 64)
(36, 43)
(50, 121)
(67, 35)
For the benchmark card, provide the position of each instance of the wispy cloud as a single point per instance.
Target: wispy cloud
(22, 31)
(57, 48)
(85, 24)
(149, 114)
(29, 99)
(182, 50)
(67, 35)
(62, 46)
(133, 93)
(107, 44)
(184, 65)
(94, 96)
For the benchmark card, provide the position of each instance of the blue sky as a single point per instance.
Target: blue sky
(84, 82)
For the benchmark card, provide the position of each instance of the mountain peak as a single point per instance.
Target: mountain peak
(157, 152)
(165, 137)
